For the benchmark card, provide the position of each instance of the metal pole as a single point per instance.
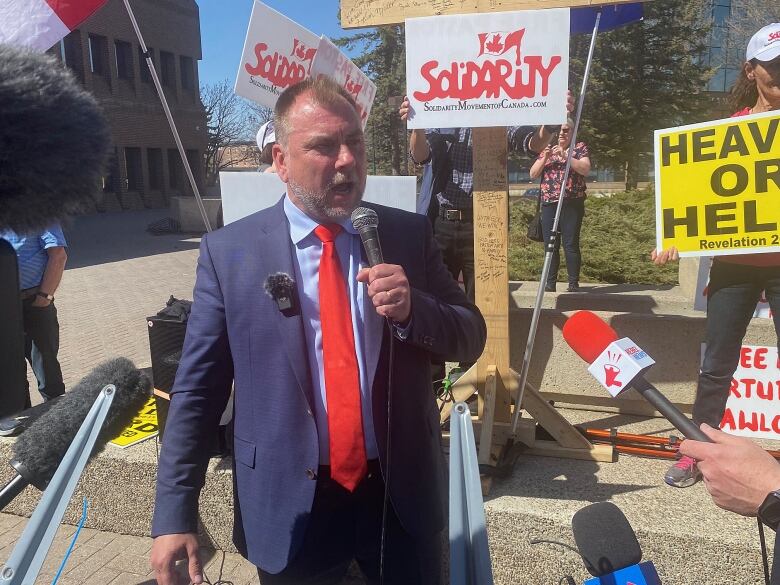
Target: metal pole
(168, 115)
(550, 246)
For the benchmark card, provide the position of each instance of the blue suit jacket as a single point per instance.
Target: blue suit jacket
(236, 334)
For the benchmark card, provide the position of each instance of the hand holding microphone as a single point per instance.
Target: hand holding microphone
(388, 286)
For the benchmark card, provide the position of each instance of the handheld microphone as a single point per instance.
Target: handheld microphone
(592, 339)
(281, 288)
(39, 450)
(54, 141)
(609, 547)
(366, 221)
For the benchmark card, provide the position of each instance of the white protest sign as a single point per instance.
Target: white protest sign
(617, 366)
(490, 69)
(753, 407)
(243, 193)
(702, 281)
(277, 53)
(330, 61)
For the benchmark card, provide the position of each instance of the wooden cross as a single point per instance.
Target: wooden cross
(492, 375)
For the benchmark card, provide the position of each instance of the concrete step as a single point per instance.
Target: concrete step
(689, 539)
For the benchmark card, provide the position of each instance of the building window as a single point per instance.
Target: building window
(111, 181)
(70, 53)
(124, 59)
(167, 69)
(135, 176)
(146, 74)
(187, 73)
(174, 169)
(154, 161)
(98, 55)
(193, 158)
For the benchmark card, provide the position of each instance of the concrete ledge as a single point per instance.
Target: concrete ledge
(186, 211)
(660, 320)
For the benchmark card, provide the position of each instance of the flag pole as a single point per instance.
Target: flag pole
(554, 235)
(168, 115)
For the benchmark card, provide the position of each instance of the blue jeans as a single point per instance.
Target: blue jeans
(41, 344)
(569, 225)
(732, 295)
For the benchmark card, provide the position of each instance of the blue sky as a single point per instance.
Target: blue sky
(223, 25)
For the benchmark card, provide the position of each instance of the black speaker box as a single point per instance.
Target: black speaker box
(166, 339)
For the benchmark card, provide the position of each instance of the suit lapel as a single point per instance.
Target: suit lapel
(275, 248)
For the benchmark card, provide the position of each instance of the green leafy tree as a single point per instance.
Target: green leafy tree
(645, 76)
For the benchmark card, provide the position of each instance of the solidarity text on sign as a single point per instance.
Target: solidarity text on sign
(753, 407)
(718, 186)
(277, 54)
(477, 70)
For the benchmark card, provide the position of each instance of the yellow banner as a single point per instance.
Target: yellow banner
(144, 426)
(718, 186)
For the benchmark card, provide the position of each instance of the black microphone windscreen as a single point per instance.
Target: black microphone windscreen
(42, 446)
(54, 141)
(605, 539)
(278, 285)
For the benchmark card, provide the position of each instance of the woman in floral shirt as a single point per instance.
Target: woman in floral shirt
(551, 165)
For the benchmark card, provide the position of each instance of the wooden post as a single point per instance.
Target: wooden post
(358, 13)
(491, 224)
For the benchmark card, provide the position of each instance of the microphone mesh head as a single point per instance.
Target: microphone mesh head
(588, 335)
(605, 539)
(363, 218)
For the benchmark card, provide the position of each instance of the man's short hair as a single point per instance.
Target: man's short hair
(324, 92)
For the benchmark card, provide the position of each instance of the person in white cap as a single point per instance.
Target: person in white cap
(266, 138)
(758, 87)
(736, 282)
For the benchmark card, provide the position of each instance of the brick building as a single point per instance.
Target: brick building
(104, 53)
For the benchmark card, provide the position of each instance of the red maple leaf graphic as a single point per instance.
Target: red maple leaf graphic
(495, 46)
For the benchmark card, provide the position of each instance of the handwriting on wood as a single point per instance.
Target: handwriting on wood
(357, 13)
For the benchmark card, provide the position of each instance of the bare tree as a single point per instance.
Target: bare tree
(231, 127)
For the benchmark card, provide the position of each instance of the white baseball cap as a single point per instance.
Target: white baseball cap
(765, 44)
(266, 135)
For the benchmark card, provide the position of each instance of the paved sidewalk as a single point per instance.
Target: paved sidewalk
(117, 275)
(105, 558)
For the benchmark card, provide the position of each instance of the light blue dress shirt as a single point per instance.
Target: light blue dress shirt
(366, 323)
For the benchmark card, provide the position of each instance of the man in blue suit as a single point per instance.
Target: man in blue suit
(312, 447)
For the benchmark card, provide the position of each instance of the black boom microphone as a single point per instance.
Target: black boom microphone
(39, 450)
(366, 222)
(54, 141)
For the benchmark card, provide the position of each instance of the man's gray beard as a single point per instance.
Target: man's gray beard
(316, 202)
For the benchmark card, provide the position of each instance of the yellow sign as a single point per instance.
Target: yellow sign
(144, 426)
(718, 186)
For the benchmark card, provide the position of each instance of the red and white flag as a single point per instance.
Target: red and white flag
(39, 24)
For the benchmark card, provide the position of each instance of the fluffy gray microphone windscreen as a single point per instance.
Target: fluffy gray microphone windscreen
(54, 141)
(41, 447)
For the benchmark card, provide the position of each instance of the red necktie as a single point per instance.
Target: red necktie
(348, 463)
